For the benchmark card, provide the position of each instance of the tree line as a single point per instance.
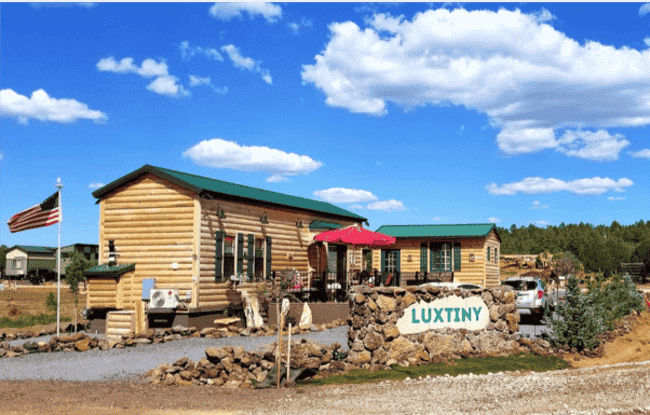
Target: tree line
(599, 248)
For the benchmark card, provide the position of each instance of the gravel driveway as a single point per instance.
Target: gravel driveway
(97, 365)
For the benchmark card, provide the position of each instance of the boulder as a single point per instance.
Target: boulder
(216, 354)
(401, 349)
(408, 299)
(359, 358)
(251, 310)
(390, 331)
(30, 346)
(306, 317)
(512, 321)
(82, 345)
(386, 303)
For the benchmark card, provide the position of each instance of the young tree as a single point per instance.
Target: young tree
(74, 274)
(3, 259)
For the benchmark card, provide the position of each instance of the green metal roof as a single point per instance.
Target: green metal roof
(34, 249)
(322, 224)
(438, 231)
(107, 271)
(211, 188)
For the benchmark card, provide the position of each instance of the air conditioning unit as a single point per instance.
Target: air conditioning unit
(163, 298)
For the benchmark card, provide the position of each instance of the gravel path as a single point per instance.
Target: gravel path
(97, 365)
(613, 389)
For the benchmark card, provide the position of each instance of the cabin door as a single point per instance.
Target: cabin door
(336, 263)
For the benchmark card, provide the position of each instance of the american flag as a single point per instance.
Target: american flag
(46, 214)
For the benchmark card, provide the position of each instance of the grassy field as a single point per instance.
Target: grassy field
(476, 366)
(26, 307)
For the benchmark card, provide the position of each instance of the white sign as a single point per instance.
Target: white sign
(469, 313)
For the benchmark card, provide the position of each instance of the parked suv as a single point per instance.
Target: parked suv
(531, 295)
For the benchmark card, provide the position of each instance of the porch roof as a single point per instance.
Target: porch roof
(469, 230)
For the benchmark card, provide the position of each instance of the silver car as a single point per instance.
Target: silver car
(532, 298)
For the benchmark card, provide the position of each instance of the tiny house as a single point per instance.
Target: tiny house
(460, 253)
(192, 234)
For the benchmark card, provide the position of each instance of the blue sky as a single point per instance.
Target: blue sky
(406, 113)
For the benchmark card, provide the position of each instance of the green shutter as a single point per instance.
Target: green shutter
(268, 257)
(382, 264)
(423, 257)
(251, 252)
(435, 256)
(496, 256)
(398, 268)
(218, 258)
(456, 256)
(240, 253)
(488, 254)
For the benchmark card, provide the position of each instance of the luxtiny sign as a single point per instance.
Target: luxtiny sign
(454, 312)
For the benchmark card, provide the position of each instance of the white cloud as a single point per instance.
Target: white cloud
(226, 11)
(342, 195)
(164, 84)
(615, 198)
(356, 207)
(242, 62)
(646, 40)
(167, 85)
(197, 81)
(461, 129)
(42, 107)
(188, 51)
(529, 79)
(494, 220)
(230, 155)
(296, 26)
(149, 68)
(599, 145)
(62, 4)
(644, 154)
(436, 218)
(536, 185)
(277, 178)
(538, 205)
(387, 205)
(644, 9)
(541, 222)
(544, 16)
(95, 185)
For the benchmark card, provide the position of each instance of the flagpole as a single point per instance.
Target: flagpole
(59, 185)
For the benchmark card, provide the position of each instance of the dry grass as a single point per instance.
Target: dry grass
(31, 301)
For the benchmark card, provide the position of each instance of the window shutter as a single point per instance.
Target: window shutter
(496, 256)
(423, 257)
(456, 256)
(218, 259)
(397, 261)
(251, 252)
(240, 252)
(488, 254)
(382, 265)
(268, 257)
(435, 256)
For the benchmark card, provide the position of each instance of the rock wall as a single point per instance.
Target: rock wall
(375, 340)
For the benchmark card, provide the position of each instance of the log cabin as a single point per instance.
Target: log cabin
(192, 234)
(464, 253)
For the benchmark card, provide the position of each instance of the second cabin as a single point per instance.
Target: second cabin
(463, 253)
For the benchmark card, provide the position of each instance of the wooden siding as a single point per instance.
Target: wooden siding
(101, 293)
(289, 243)
(492, 272)
(152, 222)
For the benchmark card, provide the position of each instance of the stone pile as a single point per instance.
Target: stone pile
(28, 334)
(376, 343)
(233, 367)
(81, 342)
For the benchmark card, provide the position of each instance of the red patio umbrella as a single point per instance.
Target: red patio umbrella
(355, 235)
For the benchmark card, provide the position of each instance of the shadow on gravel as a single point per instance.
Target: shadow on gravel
(476, 366)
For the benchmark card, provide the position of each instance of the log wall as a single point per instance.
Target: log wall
(289, 243)
(101, 293)
(152, 222)
(492, 271)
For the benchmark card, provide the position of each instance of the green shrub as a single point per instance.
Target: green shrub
(614, 300)
(578, 323)
(50, 302)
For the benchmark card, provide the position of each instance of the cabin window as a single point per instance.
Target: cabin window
(228, 256)
(441, 256)
(390, 261)
(496, 256)
(17, 263)
(259, 258)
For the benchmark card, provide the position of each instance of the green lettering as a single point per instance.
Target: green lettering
(438, 312)
(467, 312)
(449, 310)
(414, 319)
(477, 311)
(456, 318)
(426, 320)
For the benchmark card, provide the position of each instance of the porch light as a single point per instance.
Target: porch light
(220, 213)
(264, 218)
(299, 223)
